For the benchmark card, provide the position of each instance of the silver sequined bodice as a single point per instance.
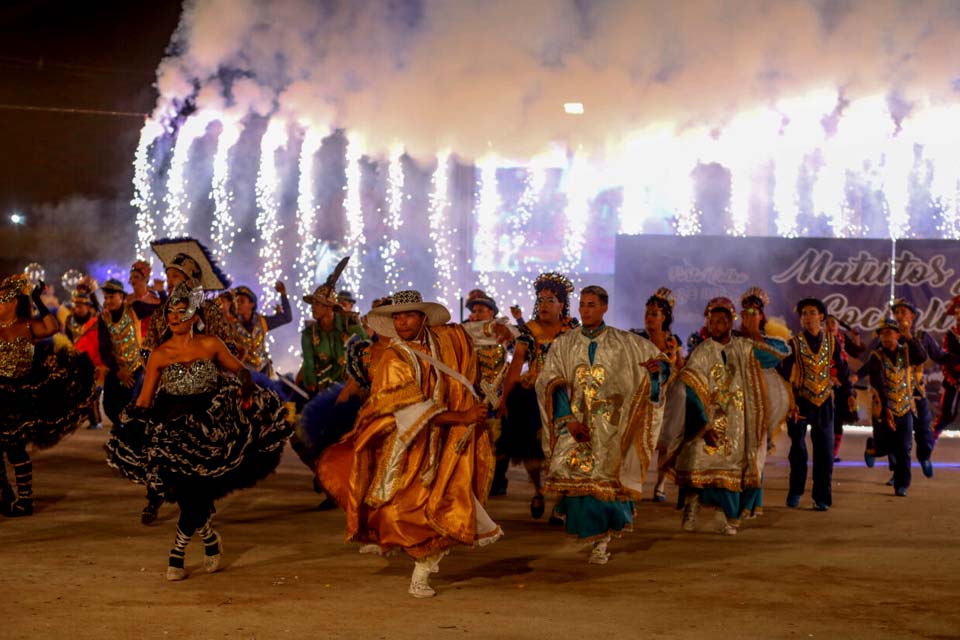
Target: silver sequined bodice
(189, 378)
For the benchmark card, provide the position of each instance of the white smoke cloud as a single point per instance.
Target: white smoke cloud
(492, 75)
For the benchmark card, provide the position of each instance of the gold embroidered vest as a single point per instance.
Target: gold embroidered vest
(899, 381)
(125, 336)
(811, 372)
(254, 343)
(491, 360)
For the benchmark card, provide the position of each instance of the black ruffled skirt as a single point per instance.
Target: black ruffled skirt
(49, 402)
(206, 443)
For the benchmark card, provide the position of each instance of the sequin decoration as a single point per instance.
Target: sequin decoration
(590, 379)
(897, 375)
(722, 399)
(580, 458)
(186, 379)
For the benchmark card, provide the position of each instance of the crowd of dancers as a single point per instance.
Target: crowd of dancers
(409, 422)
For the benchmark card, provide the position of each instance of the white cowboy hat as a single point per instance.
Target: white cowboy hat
(380, 318)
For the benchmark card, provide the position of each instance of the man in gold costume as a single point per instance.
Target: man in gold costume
(416, 468)
(597, 392)
(491, 337)
(718, 414)
(808, 369)
(892, 378)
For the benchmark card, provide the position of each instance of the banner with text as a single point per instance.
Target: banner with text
(927, 275)
(852, 276)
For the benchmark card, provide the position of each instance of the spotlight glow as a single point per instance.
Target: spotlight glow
(852, 151)
(936, 129)
(802, 134)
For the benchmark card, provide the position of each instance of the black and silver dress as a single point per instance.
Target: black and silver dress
(44, 394)
(199, 436)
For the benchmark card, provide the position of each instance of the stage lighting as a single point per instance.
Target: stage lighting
(18, 218)
(573, 108)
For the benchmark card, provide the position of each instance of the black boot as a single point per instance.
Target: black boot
(152, 510)
(23, 505)
(499, 486)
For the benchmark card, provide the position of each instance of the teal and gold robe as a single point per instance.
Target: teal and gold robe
(597, 378)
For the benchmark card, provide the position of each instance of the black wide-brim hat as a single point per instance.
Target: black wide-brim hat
(812, 302)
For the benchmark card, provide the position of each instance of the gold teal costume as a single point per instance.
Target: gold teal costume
(596, 378)
(722, 388)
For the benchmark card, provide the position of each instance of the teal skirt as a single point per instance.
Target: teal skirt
(589, 517)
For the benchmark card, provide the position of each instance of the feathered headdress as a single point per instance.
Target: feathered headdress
(327, 292)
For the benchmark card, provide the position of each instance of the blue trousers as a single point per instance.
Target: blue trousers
(820, 420)
(923, 429)
(900, 443)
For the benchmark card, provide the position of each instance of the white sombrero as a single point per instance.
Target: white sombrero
(380, 319)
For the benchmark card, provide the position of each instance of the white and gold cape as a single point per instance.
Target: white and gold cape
(612, 397)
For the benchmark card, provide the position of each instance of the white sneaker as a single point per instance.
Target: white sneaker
(599, 554)
(727, 528)
(371, 549)
(420, 581)
(599, 557)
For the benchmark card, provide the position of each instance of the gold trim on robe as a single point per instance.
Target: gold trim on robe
(612, 397)
(744, 403)
(403, 481)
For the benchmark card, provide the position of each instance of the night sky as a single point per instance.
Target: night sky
(65, 54)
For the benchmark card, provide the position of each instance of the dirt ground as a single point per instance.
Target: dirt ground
(874, 566)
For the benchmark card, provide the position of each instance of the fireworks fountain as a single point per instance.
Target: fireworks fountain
(788, 158)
